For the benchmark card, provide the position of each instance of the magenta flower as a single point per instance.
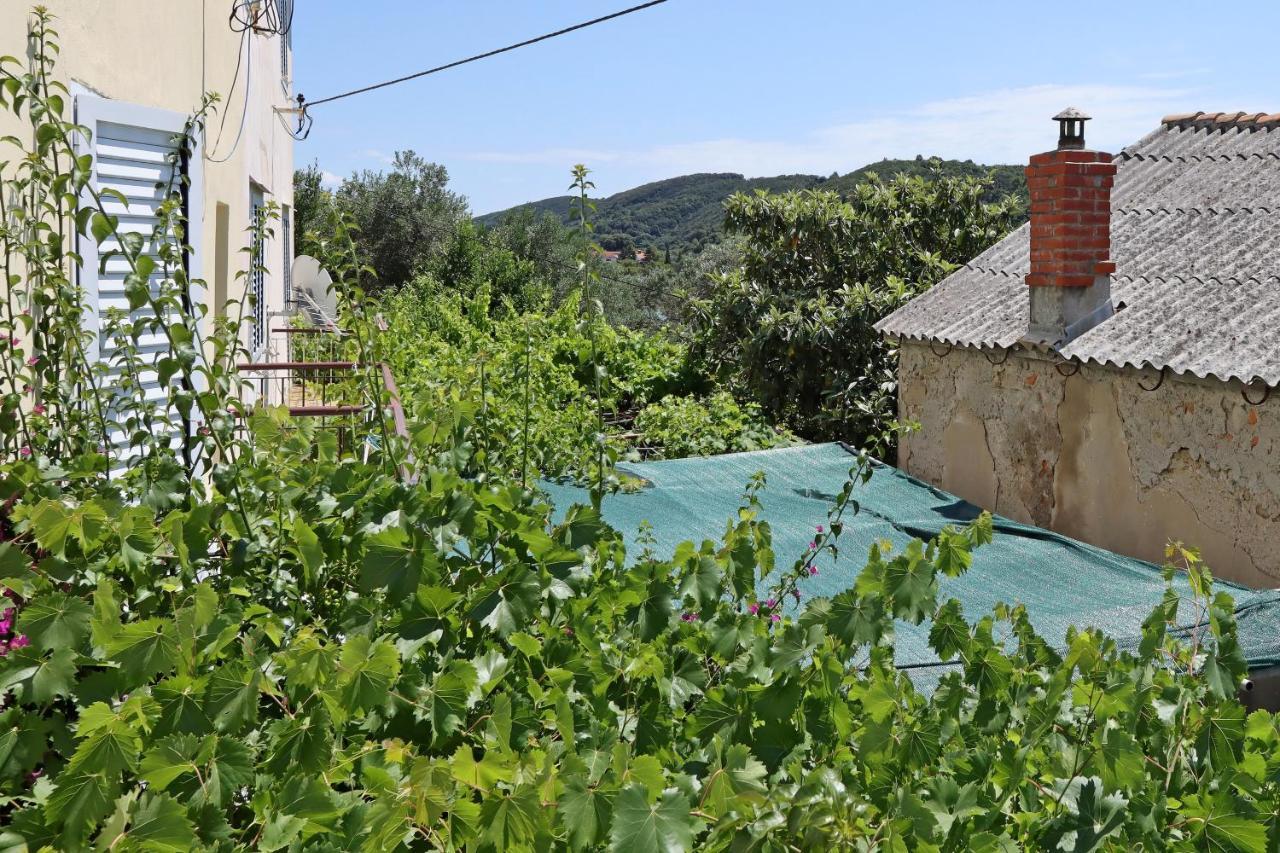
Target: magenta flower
(25, 451)
(39, 409)
(33, 361)
(753, 608)
(688, 617)
(19, 642)
(813, 570)
(777, 618)
(813, 546)
(771, 603)
(819, 528)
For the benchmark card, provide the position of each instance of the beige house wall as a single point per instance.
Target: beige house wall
(1094, 456)
(165, 54)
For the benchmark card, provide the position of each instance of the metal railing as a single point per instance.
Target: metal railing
(314, 381)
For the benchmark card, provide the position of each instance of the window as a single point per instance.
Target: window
(286, 244)
(257, 279)
(132, 148)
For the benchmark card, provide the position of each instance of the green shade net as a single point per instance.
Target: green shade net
(1061, 581)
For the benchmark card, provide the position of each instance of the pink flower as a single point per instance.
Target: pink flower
(33, 361)
(688, 617)
(25, 451)
(777, 618)
(753, 608)
(813, 546)
(813, 570)
(771, 603)
(19, 642)
(819, 528)
(39, 408)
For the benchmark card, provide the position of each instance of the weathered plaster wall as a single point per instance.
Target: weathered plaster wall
(1094, 456)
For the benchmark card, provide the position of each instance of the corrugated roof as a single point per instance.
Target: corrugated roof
(1195, 234)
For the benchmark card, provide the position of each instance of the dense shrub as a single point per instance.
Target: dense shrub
(793, 327)
(527, 376)
(703, 426)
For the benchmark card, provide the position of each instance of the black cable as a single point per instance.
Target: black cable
(248, 76)
(235, 78)
(488, 54)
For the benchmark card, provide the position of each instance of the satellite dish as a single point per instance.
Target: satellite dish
(315, 287)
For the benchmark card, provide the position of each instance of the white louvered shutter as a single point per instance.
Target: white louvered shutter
(132, 148)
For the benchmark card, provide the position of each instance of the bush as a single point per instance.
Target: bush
(793, 328)
(693, 426)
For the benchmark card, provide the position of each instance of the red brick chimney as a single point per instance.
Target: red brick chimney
(1071, 266)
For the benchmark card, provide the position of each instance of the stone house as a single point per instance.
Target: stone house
(1106, 370)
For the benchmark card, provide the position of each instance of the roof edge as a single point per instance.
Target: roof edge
(1222, 120)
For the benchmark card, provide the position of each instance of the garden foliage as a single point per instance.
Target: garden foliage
(255, 640)
(793, 327)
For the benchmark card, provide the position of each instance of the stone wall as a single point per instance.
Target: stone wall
(1094, 456)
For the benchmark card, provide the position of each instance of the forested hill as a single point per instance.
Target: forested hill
(686, 212)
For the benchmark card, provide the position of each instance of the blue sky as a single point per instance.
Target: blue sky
(760, 87)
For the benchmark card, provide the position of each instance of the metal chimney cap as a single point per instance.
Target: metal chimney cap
(1072, 113)
(1070, 129)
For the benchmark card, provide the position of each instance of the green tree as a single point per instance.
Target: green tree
(404, 217)
(793, 326)
(311, 203)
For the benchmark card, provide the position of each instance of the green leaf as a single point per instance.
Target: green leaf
(482, 774)
(663, 827)
(40, 678)
(855, 619)
(55, 522)
(585, 812)
(144, 648)
(81, 800)
(304, 742)
(949, 634)
(909, 580)
(160, 824)
(55, 620)
(367, 669)
(737, 782)
(170, 759)
(1122, 762)
(511, 605)
(232, 698)
(307, 547)
(511, 819)
(448, 698)
(704, 580)
(392, 561)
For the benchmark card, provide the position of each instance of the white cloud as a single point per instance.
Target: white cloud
(1003, 126)
(375, 154)
(329, 180)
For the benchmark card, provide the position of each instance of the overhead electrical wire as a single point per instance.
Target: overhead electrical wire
(486, 54)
